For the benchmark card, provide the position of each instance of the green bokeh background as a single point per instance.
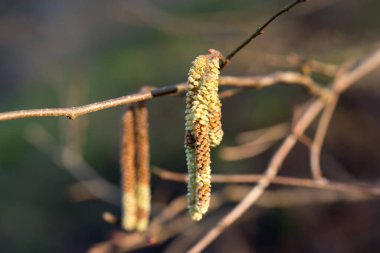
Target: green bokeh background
(68, 53)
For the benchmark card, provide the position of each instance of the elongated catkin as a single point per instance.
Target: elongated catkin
(203, 129)
(128, 172)
(143, 195)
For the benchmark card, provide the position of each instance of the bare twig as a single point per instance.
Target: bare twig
(159, 19)
(172, 222)
(256, 146)
(286, 77)
(339, 169)
(368, 65)
(343, 80)
(244, 151)
(251, 135)
(74, 112)
(260, 30)
(289, 181)
(291, 78)
(155, 233)
(74, 164)
(316, 146)
(294, 60)
(286, 198)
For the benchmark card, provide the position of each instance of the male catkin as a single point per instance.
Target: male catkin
(128, 173)
(203, 129)
(143, 195)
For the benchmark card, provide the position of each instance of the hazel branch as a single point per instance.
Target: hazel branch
(316, 146)
(280, 180)
(254, 82)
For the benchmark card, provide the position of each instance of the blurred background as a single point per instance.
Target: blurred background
(68, 53)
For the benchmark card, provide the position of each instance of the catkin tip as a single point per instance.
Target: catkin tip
(143, 207)
(129, 211)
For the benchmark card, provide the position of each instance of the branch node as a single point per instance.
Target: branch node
(164, 91)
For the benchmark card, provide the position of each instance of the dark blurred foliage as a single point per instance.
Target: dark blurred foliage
(66, 53)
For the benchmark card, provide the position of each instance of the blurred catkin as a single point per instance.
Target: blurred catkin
(128, 172)
(203, 129)
(143, 194)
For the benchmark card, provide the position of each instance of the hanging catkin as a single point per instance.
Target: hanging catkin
(143, 195)
(128, 172)
(203, 129)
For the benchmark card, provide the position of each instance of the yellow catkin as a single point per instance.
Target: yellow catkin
(203, 129)
(128, 173)
(143, 210)
(143, 194)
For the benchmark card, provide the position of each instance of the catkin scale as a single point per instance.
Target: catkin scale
(203, 129)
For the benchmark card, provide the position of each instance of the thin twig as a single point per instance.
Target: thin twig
(368, 65)
(251, 135)
(289, 181)
(74, 164)
(155, 233)
(294, 60)
(73, 112)
(260, 30)
(170, 222)
(162, 226)
(258, 145)
(343, 81)
(244, 151)
(285, 198)
(320, 135)
(283, 77)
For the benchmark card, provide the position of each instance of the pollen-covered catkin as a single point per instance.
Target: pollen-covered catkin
(203, 129)
(143, 194)
(128, 173)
